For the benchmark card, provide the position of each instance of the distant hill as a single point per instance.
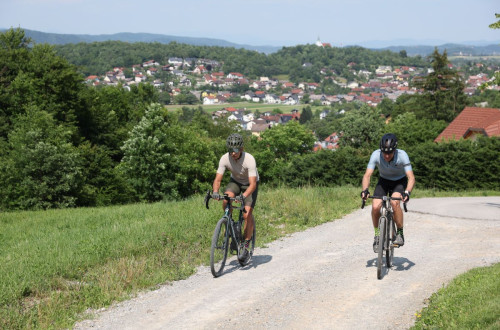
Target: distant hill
(61, 39)
(451, 49)
(422, 50)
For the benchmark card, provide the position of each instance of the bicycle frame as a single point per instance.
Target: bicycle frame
(230, 230)
(225, 229)
(387, 230)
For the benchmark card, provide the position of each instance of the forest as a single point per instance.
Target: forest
(99, 57)
(64, 143)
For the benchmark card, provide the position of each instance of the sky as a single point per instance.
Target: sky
(267, 22)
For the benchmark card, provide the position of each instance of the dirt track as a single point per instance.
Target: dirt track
(325, 277)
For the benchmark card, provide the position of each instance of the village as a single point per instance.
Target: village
(193, 75)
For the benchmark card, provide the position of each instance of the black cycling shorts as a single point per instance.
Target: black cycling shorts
(236, 188)
(386, 187)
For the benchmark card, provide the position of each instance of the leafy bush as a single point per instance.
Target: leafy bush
(41, 169)
(327, 168)
(164, 160)
(457, 165)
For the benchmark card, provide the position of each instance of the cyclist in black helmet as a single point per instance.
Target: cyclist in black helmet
(244, 178)
(396, 178)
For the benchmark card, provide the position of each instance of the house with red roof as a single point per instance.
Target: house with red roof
(472, 121)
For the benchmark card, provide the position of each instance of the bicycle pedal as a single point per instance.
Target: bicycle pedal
(395, 245)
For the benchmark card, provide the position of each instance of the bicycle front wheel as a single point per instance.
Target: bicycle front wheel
(220, 245)
(391, 236)
(382, 224)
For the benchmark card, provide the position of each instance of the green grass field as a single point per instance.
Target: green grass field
(247, 105)
(57, 264)
(470, 301)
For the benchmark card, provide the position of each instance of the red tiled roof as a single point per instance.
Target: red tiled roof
(470, 120)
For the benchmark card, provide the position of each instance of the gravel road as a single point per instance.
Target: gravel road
(325, 277)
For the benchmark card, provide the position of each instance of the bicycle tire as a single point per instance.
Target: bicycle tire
(391, 236)
(382, 224)
(219, 247)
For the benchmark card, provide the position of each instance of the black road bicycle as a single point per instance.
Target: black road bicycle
(387, 228)
(228, 236)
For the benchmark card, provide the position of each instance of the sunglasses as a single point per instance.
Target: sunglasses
(235, 150)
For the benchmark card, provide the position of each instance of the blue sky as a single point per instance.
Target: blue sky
(266, 22)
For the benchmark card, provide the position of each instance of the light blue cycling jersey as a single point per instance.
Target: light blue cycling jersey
(395, 169)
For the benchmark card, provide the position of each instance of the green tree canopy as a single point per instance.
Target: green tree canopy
(412, 131)
(164, 160)
(278, 145)
(41, 168)
(306, 115)
(443, 90)
(361, 128)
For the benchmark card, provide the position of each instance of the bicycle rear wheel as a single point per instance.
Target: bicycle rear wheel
(220, 245)
(382, 224)
(391, 236)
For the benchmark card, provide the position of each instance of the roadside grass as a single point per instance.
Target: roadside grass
(60, 265)
(470, 301)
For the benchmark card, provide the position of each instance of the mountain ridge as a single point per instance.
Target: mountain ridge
(468, 48)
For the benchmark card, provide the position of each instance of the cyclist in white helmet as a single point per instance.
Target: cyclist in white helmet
(396, 178)
(244, 179)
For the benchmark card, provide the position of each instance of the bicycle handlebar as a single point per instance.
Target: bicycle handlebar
(209, 196)
(385, 198)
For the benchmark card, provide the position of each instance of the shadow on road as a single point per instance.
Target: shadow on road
(492, 204)
(401, 264)
(234, 265)
(257, 261)
(398, 264)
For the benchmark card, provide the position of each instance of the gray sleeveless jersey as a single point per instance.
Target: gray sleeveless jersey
(240, 169)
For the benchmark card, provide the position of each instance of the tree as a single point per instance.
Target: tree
(495, 25)
(278, 145)
(14, 58)
(386, 107)
(412, 131)
(41, 168)
(163, 160)
(361, 127)
(306, 115)
(185, 98)
(36, 76)
(443, 88)
(306, 98)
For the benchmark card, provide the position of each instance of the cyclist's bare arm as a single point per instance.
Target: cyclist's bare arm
(251, 187)
(217, 182)
(411, 180)
(366, 178)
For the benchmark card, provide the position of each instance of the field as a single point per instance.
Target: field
(252, 106)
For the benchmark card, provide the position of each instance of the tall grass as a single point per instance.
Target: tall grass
(57, 264)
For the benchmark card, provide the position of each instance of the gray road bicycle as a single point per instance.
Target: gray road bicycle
(387, 228)
(228, 236)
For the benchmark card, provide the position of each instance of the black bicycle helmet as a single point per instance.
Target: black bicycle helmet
(389, 143)
(234, 141)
